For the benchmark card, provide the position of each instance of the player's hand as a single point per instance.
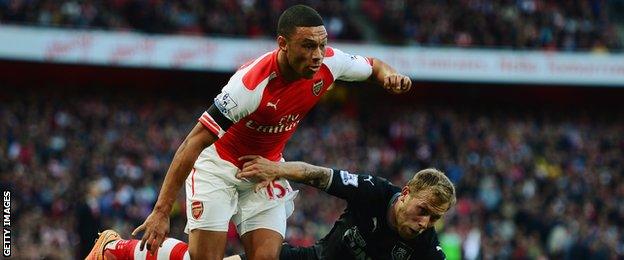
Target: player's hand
(259, 169)
(156, 228)
(397, 83)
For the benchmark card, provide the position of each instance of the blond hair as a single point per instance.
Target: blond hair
(433, 184)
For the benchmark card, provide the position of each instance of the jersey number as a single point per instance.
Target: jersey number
(276, 191)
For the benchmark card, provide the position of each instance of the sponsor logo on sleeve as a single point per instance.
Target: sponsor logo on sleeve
(224, 102)
(348, 178)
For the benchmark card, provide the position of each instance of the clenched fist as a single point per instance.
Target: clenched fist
(397, 83)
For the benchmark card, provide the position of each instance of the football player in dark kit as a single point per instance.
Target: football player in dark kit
(381, 221)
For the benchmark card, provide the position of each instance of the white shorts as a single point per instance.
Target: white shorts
(214, 196)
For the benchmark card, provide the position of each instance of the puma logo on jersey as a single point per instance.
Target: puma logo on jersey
(369, 179)
(273, 105)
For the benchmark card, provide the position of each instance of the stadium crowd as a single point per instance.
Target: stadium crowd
(519, 24)
(531, 184)
(523, 24)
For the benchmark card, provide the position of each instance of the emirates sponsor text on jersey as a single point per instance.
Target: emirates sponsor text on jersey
(286, 123)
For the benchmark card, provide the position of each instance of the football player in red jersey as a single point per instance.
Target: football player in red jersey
(255, 113)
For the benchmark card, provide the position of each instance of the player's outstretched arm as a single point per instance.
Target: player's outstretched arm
(264, 171)
(386, 76)
(156, 226)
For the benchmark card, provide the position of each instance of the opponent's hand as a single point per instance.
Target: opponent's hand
(259, 169)
(397, 83)
(156, 228)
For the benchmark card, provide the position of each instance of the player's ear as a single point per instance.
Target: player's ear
(281, 42)
(405, 192)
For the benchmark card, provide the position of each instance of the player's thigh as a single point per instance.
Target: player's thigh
(263, 233)
(264, 209)
(211, 205)
(262, 244)
(207, 224)
(204, 244)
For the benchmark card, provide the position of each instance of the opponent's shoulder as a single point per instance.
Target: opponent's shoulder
(429, 245)
(426, 240)
(360, 187)
(382, 185)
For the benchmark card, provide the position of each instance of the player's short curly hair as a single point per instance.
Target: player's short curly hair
(297, 16)
(434, 183)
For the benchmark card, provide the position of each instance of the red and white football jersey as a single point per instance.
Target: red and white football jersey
(258, 111)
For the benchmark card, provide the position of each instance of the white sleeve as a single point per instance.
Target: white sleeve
(349, 67)
(232, 104)
(235, 100)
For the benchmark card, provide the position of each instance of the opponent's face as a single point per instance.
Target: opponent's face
(416, 213)
(305, 50)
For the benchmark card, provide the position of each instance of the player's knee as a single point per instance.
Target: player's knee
(203, 253)
(195, 253)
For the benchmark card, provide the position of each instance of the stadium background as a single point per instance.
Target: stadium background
(538, 166)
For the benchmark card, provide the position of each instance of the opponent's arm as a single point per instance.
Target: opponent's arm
(387, 77)
(265, 171)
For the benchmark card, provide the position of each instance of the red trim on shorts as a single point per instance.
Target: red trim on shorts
(193, 181)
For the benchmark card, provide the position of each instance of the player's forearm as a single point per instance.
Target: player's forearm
(178, 171)
(380, 71)
(306, 173)
(181, 166)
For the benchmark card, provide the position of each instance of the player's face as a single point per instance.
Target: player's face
(306, 50)
(417, 213)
